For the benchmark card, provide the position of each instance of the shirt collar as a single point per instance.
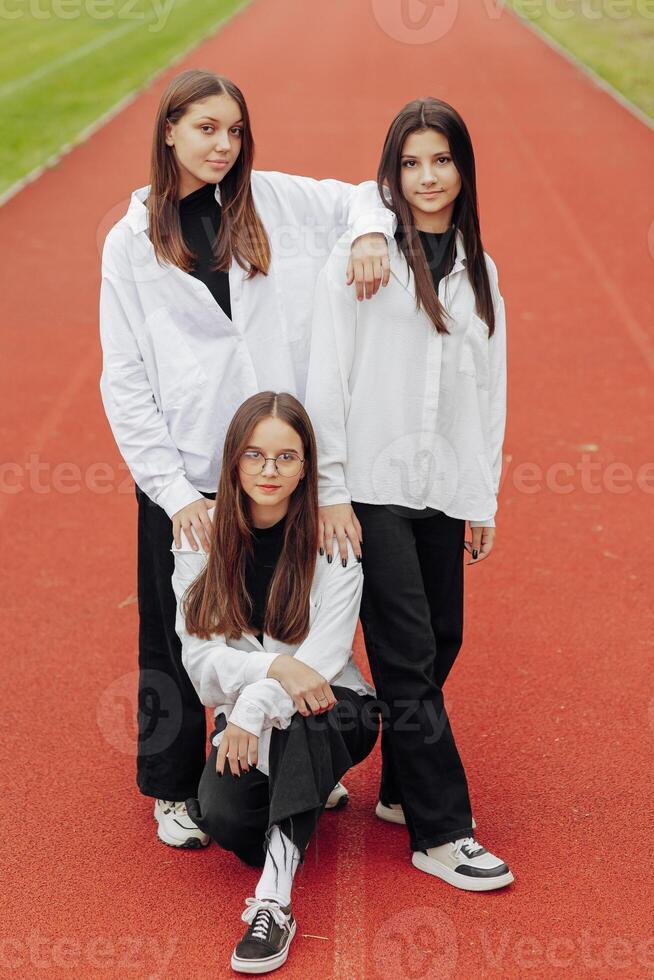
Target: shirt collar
(460, 258)
(137, 212)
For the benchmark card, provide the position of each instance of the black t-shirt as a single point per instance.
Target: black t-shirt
(437, 251)
(199, 215)
(259, 569)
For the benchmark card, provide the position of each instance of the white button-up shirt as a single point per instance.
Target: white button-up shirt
(230, 675)
(176, 368)
(403, 414)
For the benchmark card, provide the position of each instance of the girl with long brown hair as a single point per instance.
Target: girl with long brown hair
(408, 398)
(207, 287)
(266, 636)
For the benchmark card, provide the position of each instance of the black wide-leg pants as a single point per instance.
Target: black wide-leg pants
(170, 716)
(412, 621)
(305, 762)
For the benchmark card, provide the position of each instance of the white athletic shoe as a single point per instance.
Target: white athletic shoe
(464, 863)
(393, 813)
(175, 827)
(338, 798)
(390, 812)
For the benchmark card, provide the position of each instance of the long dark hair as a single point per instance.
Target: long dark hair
(415, 117)
(217, 601)
(241, 234)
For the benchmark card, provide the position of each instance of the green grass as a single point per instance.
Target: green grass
(613, 37)
(58, 75)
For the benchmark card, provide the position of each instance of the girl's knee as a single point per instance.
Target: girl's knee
(228, 829)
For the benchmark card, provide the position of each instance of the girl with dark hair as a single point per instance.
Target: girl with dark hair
(207, 288)
(266, 636)
(408, 399)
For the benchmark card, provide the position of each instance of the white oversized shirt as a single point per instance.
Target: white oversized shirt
(403, 414)
(176, 368)
(230, 675)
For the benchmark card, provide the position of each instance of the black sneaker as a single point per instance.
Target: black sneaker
(265, 945)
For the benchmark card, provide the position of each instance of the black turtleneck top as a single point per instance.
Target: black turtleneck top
(199, 215)
(437, 250)
(259, 569)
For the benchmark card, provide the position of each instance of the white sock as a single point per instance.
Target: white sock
(275, 883)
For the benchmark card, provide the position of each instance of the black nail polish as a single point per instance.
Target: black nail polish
(475, 553)
(322, 552)
(344, 562)
(359, 559)
(329, 559)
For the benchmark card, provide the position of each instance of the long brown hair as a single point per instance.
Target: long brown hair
(241, 234)
(416, 117)
(217, 601)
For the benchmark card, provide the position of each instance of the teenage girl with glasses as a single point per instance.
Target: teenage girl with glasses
(266, 633)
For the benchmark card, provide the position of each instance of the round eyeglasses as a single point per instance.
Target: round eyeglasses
(286, 464)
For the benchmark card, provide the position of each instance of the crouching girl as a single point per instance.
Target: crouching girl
(266, 636)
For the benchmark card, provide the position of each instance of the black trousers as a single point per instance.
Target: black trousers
(170, 716)
(305, 762)
(412, 621)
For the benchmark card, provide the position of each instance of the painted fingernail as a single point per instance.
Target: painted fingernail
(329, 559)
(475, 553)
(344, 562)
(359, 559)
(322, 551)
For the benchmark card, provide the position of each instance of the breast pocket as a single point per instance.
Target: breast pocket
(473, 359)
(179, 371)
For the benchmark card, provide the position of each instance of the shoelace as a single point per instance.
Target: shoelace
(177, 806)
(258, 914)
(472, 846)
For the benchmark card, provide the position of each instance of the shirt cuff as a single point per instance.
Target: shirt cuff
(372, 222)
(176, 495)
(248, 716)
(328, 496)
(488, 523)
(257, 666)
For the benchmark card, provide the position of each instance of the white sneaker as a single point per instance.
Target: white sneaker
(393, 813)
(176, 827)
(338, 798)
(464, 863)
(390, 812)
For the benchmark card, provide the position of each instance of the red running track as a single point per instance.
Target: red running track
(552, 696)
